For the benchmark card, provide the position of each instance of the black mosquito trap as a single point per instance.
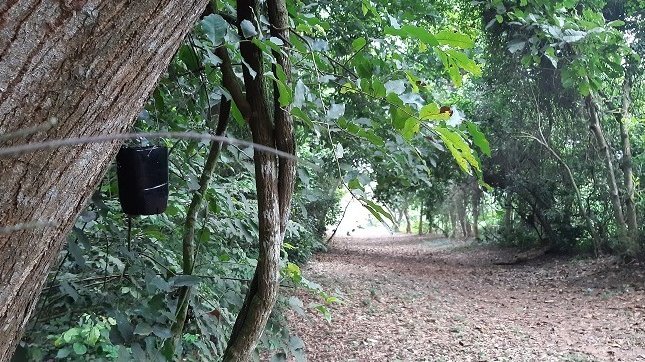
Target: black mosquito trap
(142, 173)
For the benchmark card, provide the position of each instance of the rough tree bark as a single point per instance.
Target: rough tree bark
(274, 181)
(67, 69)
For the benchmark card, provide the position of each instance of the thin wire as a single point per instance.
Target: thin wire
(73, 141)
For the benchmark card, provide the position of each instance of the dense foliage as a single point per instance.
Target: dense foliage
(392, 100)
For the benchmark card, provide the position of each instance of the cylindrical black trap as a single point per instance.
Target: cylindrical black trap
(142, 174)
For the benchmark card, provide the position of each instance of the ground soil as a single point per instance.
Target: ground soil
(433, 299)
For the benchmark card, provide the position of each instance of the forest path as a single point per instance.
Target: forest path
(431, 299)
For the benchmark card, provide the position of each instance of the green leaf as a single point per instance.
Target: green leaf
(378, 88)
(415, 32)
(410, 129)
(478, 138)
(71, 334)
(237, 115)
(358, 44)
(467, 64)
(161, 332)
(293, 271)
(454, 39)
(298, 113)
(215, 28)
(63, 353)
(354, 184)
(79, 348)
(459, 148)
(184, 280)
(286, 94)
(93, 336)
(432, 111)
(377, 210)
(248, 29)
(616, 23)
(399, 117)
(143, 329)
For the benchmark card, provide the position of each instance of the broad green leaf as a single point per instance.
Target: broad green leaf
(414, 81)
(347, 88)
(454, 39)
(431, 111)
(410, 129)
(359, 131)
(293, 272)
(478, 138)
(237, 115)
(298, 113)
(398, 117)
(63, 353)
(415, 32)
(467, 64)
(455, 75)
(394, 100)
(354, 184)
(143, 329)
(79, 348)
(358, 44)
(184, 280)
(616, 23)
(93, 335)
(377, 210)
(461, 151)
(248, 29)
(286, 94)
(378, 88)
(365, 85)
(71, 334)
(215, 28)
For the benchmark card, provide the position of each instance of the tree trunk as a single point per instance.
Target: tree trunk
(626, 165)
(477, 194)
(614, 196)
(408, 225)
(274, 181)
(452, 214)
(460, 205)
(188, 239)
(67, 69)
(508, 214)
(421, 218)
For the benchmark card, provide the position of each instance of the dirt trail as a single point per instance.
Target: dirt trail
(423, 299)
